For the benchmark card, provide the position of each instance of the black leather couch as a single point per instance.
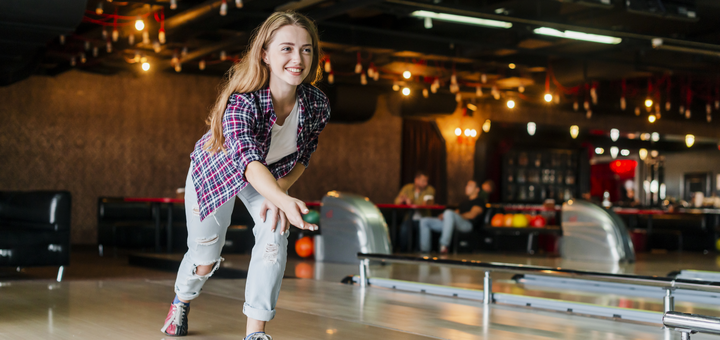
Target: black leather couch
(132, 225)
(35, 229)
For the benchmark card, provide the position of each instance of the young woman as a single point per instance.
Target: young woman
(263, 129)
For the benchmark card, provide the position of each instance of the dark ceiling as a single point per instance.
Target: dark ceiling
(385, 35)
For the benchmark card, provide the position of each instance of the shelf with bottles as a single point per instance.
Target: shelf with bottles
(533, 176)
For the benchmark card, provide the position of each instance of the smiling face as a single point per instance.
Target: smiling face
(289, 55)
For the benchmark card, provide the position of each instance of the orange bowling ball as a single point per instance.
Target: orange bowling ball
(508, 220)
(305, 247)
(497, 220)
(304, 270)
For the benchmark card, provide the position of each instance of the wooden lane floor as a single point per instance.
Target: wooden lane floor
(307, 309)
(647, 264)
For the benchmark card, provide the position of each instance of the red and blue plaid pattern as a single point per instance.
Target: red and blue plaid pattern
(247, 126)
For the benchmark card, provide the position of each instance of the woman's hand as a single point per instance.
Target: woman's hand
(268, 208)
(294, 209)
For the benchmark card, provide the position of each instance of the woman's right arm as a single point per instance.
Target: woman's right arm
(264, 182)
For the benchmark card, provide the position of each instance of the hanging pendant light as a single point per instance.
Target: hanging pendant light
(574, 131)
(689, 140)
(531, 127)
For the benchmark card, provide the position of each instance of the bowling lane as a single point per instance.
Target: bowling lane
(307, 309)
(437, 316)
(136, 310)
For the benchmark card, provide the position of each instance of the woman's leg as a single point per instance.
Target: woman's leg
(267, 265)
(205, 241)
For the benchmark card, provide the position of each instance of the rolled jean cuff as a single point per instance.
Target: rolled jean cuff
(258, 314)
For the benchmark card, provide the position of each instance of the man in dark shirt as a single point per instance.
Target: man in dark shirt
(462, 219)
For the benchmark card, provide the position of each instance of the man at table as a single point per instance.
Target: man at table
(461, 219)
(416, 193)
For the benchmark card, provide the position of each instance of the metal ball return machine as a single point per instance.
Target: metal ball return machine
(351, 224)
(591, 233)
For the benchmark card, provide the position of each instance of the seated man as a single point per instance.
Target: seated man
(462, 219)
(416, 193)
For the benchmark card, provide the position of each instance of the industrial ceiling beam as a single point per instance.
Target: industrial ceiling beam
(540, 23)
(340, 8)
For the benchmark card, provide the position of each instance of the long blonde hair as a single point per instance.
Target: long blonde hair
(251, 74)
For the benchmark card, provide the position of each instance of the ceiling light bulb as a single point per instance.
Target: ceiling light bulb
(614, 134)
(467, 132)
(652, 118)
(406, 91)
(223, 8)
(407, 74)
(426, 93)
(511, 66)
(654, 153)
(614, 151)
(363, 81)
(139, 24)
(689, 140)
(655, 137)
(328, 66)
(478, 91)
(201, 65)
(574, 131)
(531, 128)
(173, 4)
(548, 97)
(599, 151)
(648, 102)
(510, 103)
(458, 131)
(486, 126)
(239, 3)
(625, 152)
(643, 153)
(146, 66)
(428, 23)
(473, 133)
(99, 8)
(396, 87)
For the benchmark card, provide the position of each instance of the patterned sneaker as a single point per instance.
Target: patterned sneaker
(258, 336)
(176, 323)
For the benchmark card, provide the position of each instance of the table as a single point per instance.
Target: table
(395, 207)
(156, 205)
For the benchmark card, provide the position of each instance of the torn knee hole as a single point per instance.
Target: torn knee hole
(271, 252)
(206, 241)
(212, 270)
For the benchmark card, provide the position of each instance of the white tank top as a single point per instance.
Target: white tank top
(284, 137)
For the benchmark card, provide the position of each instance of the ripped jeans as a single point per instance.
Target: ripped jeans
(206, 239)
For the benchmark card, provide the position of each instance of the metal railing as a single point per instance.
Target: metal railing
(691, 323)
(679, 321)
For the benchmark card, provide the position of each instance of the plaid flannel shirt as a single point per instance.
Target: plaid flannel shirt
(247, 127)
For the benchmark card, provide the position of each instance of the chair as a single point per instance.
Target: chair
(474, 239)
(35, 229)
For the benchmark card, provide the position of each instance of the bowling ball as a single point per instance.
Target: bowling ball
(538, 222)
(519, 221)
(508, 221)
(312, 217)
(497, 220)
(304, 270)
(304, 247)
